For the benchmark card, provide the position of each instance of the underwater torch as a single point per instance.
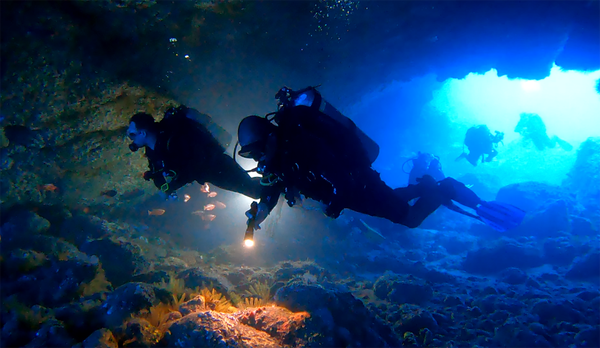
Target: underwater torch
(249, 235)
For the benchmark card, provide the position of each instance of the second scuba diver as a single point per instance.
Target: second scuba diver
(181, 150)
(317, 152)
(481, 142)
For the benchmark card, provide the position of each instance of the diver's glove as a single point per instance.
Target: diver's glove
(148, 175)
(170, 197)
(257, 216)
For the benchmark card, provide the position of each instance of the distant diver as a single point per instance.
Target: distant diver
(181, 149)
(532, 127)
(424, 164)
(309, 148)
(481, 142)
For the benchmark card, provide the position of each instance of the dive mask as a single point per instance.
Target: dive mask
(133, 147)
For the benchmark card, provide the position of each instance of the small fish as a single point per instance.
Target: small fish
(186, 198)
(47, 187)
(156, 212)
(205, 188)
(209, 207)
(212, 194)
(198, 212)
(220, 205)
(208, 217)
(109, 193)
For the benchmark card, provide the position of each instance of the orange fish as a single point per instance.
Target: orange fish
(205, 188)
(156, 212)
(186, 198)
(212, 194)
(86, 210)
(220, 205)
(208, 217)
(47, 187)
(209, 207)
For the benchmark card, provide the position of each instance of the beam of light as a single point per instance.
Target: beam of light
(567, 101)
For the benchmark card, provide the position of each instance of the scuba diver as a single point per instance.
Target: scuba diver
(181, 149)
(424, 164)
(531, 127)
(481, 142)
(309, 148)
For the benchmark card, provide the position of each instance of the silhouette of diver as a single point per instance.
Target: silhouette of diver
(480, 142)
(531, 127)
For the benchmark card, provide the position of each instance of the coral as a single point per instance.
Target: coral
(178, 301)
(261, 290)
(215, 301)
(250, 302)
(236, 299)
(96, 285)
(174, 285)
(158, 319)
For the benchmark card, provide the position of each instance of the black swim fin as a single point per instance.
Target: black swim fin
(500, 216)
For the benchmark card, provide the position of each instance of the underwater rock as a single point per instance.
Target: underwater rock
(120, 259)
(102, 338)
(399, 289)
(56, 283)
(532, 195)
(197, 304)
(21, 262)
(584, 177)
(548, 220)
(20, 226)
(285, 271)
(196, 277)
(581, 226)
(589, 337)
(19, 135)
(559, 251)
(82, 318)
(513, 276)
(129, 299)
(554, 311)
(331, 312)
(214, 329)
(80, 228)
(411, 318)
(52, 334)
(503, 255)
(280, 323)
(586, 267)
(6, 162)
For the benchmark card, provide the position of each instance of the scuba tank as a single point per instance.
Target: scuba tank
(218, 132)
(310, 97)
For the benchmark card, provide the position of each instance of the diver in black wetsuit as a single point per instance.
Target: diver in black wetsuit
(181, 150)
(480, 142)
(325, 158)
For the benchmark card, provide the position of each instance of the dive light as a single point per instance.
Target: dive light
(249, 235)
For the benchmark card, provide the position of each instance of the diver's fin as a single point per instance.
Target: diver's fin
(564, 145)
(500, 216)
(371, 232)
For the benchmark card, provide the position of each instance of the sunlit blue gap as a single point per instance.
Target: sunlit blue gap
(405, 118)
(566, 100)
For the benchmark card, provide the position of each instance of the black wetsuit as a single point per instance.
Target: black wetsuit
(306, 156)
(188, 152)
